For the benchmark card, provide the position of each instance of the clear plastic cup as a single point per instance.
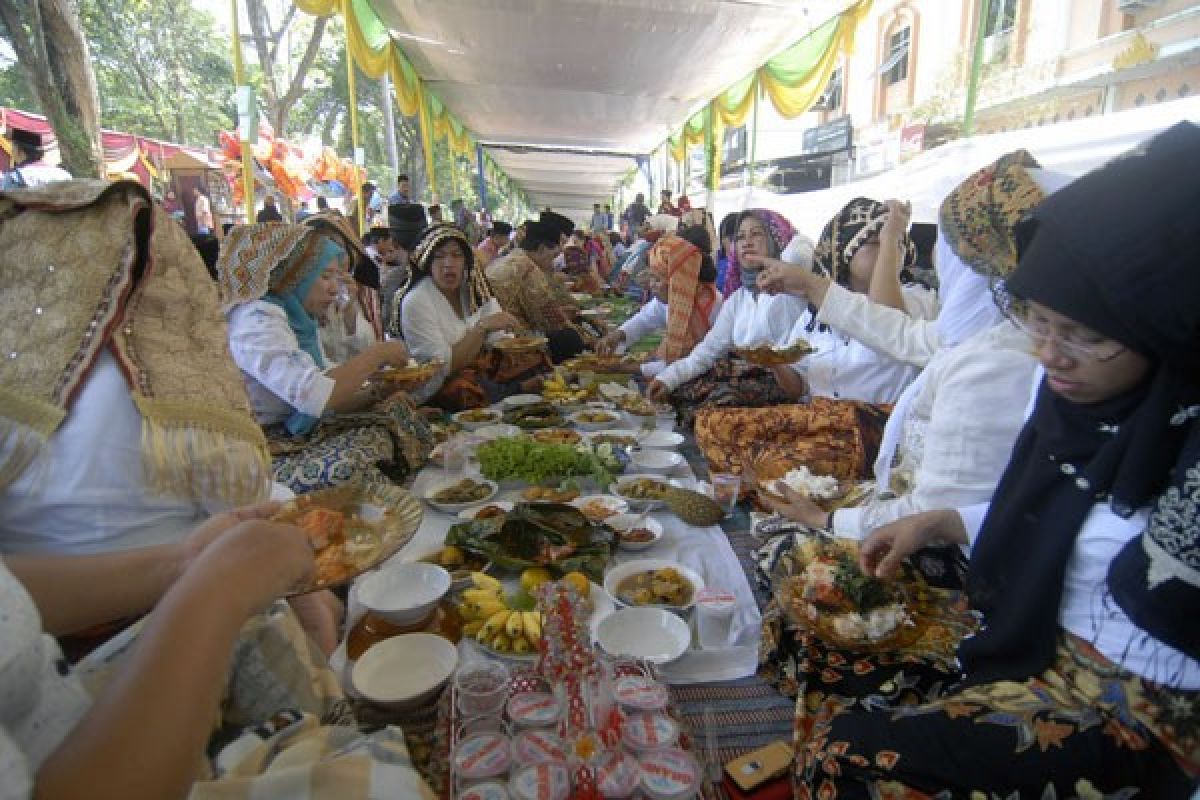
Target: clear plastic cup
(482, 688)
(726, 486)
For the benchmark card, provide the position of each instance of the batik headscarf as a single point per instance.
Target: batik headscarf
(676, 262)
(279, 263)
(126, 278)
(474, 291)
(363, 268)
(779, 234)
(1114, 251)
(846, 233)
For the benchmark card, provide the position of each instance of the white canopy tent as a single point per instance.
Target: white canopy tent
(590, 82)
(1070, 147)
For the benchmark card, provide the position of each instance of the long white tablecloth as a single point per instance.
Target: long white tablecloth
(704, 549)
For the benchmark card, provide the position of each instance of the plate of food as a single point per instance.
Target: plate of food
(519, 400)
(550, 494)
(616, 437)
(643, 492)
(599, 507)
(769, 354)
(595, 362)
(654, 582)
(820, 587)
(352, 528)
(496, 508)
(522, 459)
(498, 431)
(410, 376)
(635, 531)
(453, 496)
(556, 436)
(520, 344)
(661, 440)
(534, 416)
(476, 418)
(594, 419)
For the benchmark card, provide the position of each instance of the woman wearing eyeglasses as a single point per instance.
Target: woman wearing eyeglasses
(1084, 679)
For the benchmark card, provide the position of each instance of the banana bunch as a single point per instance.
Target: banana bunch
(488, 617)
(556, 390)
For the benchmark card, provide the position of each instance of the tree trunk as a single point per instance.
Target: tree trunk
(48, 39)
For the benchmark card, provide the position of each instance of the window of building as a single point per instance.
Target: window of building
(831, 100)
(1002, 17)
(734, 146)
(895, 67)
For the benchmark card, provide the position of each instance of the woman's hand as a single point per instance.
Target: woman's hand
(796, 507)
(658, 391)
(216, 526)
(790, 381)
(392, 352)
(254, 563)
(500, 321)
(780, 277)
(898, 219)
(883, 550)
(608, 345)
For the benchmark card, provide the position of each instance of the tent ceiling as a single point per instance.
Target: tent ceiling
(616, 75)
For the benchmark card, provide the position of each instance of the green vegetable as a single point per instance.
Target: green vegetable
(522, 458)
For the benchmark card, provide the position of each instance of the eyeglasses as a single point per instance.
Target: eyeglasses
(1040, 330)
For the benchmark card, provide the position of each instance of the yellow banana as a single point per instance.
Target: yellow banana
(495, 624)
(531, 621)
(471, 628)
(484, 581)
(513, 626)
(486, 610)
(483, 596)
(502, 644)
(521, 645)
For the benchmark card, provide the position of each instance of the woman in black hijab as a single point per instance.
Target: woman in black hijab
(1084, 678)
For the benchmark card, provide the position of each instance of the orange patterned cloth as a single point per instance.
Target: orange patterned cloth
(677, 262)
(830, 437)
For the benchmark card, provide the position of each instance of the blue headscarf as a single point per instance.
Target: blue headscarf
(301, 322)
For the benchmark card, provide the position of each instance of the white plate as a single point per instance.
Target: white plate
(615, 505)
(519, 400)
(501, 431)
(660, 439)
(470, 513)
(405, 671)
(624, 433)
(635, 503)
(454, 508)
(659, 462)
(653, 634)
(493, 417)
(611, 419)
(625, 522)
(619, 572)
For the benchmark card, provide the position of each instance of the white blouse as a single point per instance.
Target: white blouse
(86, 492)
(846, 368)
(745, 320)
(41, 700)
(651, 317)
(431, 328)
(280, 377)
(911, 337)
(956, 439)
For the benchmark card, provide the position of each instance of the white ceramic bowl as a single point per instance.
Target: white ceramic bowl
(611, 418)
(404, 594)
(636, 504)
(405, 671)
(664, 440)
(614, 504)
(454, 508)
(625, 522)
(650, 633)
(655, 461)
(620, 572)
(518, 400)
(623, 433)
(463, 418)
(470, 513)
(499, 431)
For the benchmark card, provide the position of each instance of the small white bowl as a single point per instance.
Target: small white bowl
(658, 462)
(404, 594)
(471, 513)
(518, 400)
(635, 503)
(620, 572)
(614, 504)
(626, 522)
(454, 508)
(610, 418)
(405, 671)
(623, 433)
(656, 635)
(500, 431)
(463, 418)
(663, 440)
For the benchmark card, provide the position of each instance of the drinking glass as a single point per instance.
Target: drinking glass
(726, 486)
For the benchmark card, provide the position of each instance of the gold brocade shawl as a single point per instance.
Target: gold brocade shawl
(87, 264)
